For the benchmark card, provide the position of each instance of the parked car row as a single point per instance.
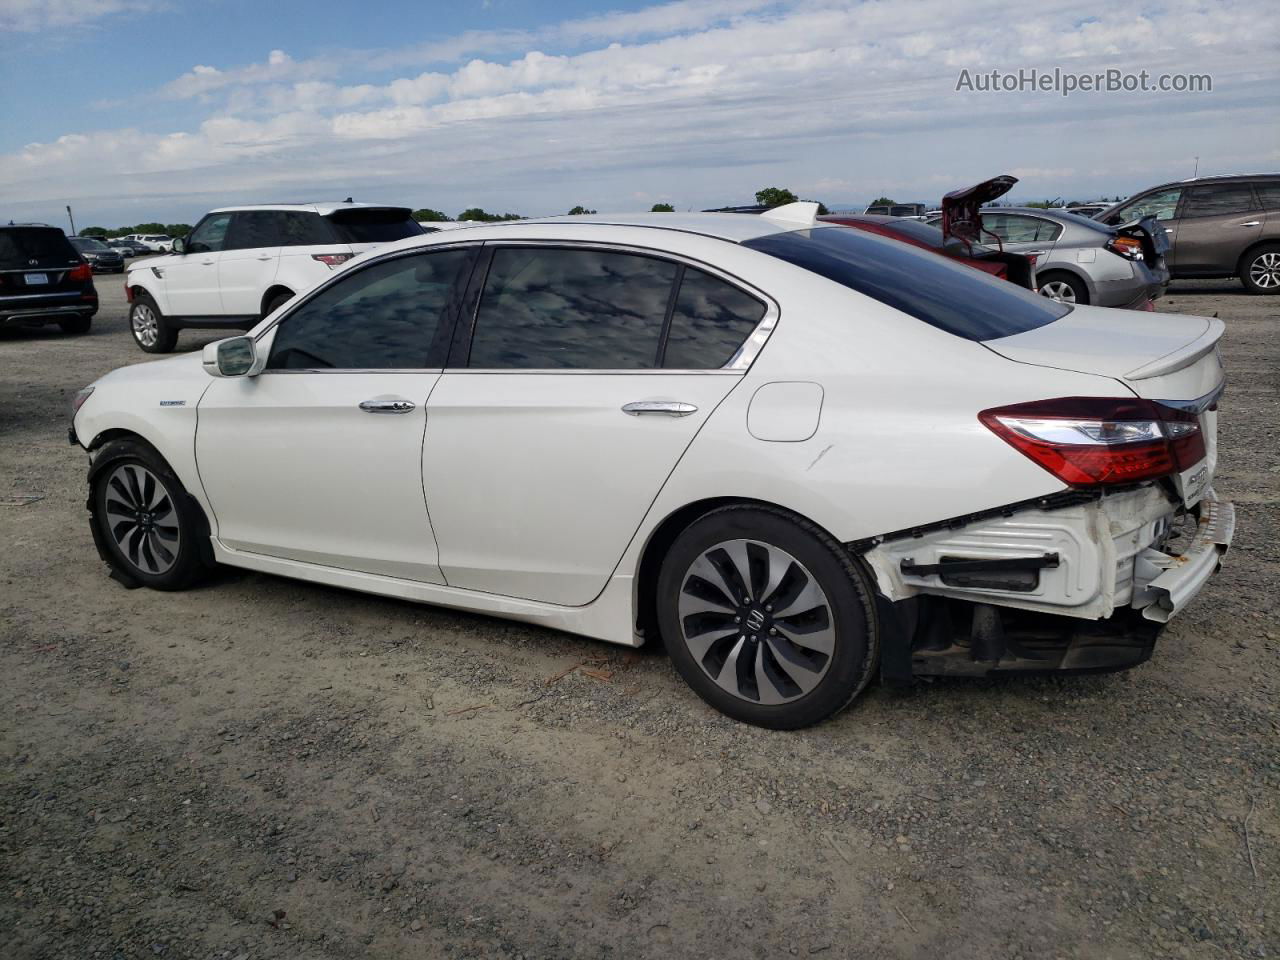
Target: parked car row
(804, 454)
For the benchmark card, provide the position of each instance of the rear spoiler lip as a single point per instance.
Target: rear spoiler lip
(1184, 356)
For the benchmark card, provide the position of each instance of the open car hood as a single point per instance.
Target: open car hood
(961, 209)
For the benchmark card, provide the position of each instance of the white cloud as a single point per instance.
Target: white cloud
(32, 16)
(702, 100)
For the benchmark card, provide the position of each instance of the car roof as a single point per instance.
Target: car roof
(734, 227)
(324, 208)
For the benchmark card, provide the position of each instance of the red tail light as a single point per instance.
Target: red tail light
(332, 260)
(1128, 247)
(1096, 441)
(81, 273)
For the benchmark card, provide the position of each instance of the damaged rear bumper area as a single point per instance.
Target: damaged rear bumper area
(1080, 583)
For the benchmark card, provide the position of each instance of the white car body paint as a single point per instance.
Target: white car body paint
(539, 494)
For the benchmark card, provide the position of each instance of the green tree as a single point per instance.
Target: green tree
(579, 211)
(822, 209)
(775, 197)
(146, 228)
(882, 202)
(177, 229)
(476, 213)
(427, 215)
(94, 232)
(662, 208)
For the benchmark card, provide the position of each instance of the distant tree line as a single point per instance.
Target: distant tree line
(168, 229)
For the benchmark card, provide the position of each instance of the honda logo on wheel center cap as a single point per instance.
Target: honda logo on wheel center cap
(755, 620)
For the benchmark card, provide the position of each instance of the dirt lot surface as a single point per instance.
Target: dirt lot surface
(261, 768)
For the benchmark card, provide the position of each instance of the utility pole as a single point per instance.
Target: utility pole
(72, 219)
(1197, 170)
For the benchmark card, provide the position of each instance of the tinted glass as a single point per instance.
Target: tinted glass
(301, 229)
(936, 290)
(374, 224)
(710, 322)
(1218, 200)
(553, 309)
(1268, 194)
(254, 228)
(210, 235)
(384, 317)
(926, 233)
(47, 246)
(86, 243)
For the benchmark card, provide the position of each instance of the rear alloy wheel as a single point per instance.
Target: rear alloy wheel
(1260, 271)
(1064, 288)
(145, 518)
(149, 328)
(766, 617)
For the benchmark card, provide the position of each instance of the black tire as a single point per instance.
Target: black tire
(276, 302)
(76, 325)
(151, 332)
(1079, 293)
(138, 546)
(847, 601)
(1260, 269)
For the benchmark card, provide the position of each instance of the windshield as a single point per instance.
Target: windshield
(374, 224)
(940, 292)
(24, 247)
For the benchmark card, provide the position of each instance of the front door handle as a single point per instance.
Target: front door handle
(208, 263)
(386, 406)
(263, 257)
(670, 408)
(1251, 223)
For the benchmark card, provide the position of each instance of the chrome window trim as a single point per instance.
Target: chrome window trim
(739, 363)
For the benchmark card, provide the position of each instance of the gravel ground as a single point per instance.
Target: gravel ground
(261, 768)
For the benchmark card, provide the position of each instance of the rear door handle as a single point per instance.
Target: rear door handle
(1251, 223)
(208, 263)
(264, 257)
(670, 408)
(386, 406)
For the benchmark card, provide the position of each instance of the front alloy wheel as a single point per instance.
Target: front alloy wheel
(152, 333)
(142, 518)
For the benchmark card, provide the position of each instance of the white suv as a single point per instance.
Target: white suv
(155, 242)
(241, 263)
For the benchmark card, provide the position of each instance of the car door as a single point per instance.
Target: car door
(248, 265)
(319, 458)
(580, 377)
(191, 277)
(1216, 222)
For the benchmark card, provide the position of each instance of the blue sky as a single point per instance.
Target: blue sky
(160, 109)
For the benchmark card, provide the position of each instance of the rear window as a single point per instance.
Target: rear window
(374, 224)
(47, 246)
(944, 294)
(84, 243)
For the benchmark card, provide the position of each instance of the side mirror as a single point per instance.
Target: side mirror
(179, 245)
(236, 357)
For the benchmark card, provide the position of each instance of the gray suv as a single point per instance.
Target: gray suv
(1216, 227)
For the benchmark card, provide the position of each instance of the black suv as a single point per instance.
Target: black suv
(43, 279)
(101, 257)
(1217, 227)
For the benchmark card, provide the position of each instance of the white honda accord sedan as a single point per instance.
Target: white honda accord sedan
(803, 455)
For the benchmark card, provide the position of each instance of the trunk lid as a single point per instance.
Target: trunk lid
(1168, 358)
(962, 209)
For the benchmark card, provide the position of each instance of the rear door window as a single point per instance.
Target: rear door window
(552, 308)
(1217, 200)
(710, 322)
(1268, 194)
(46, 246)
(391, 315)
(374, 224)
(298, 228)
(935, 290)
(254, 228)
(1015, 228)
